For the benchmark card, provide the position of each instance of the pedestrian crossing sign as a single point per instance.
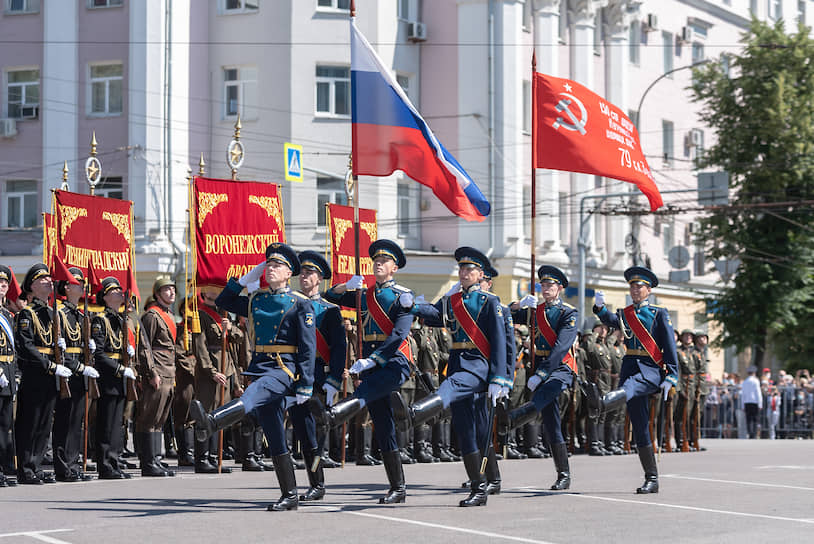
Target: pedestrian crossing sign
(293, 162)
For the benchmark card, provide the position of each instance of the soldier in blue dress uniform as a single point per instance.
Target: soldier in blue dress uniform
(327, 372)
(477, 364)
(641, 375)
(552, 374)
(384, 366)
(281, 324)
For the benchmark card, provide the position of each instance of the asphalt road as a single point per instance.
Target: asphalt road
(736, 491)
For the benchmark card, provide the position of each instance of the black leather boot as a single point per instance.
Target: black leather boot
(510, 419)
(401, 412)
(477, 482)
(438, 443)
(148, 449)
(343, 410)
(420, 449)
(186, 446)
(213, 455)
(284, 467)
(492, 474)
(560, 454)
(316, 478)
(208, 424)
(651, 472)
(364, 443)
(395, 476)
(532, 437)
(202, 464)
(425, 409)
(157, 439)
(599, 404)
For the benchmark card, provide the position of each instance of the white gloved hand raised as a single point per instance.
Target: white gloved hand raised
(454, 289)
(131, 351)
(61, 343)
(494, 392)
(253, 286)
(354, 283)
(406, 300)
(361, 365)
(129, 374)
(91, 345)
(253, 275)
(3, 381)
(528, 301)
(90, 372)
(63, 371)
(330, 394)
(301, 399)
(599, 299)
(534, 382)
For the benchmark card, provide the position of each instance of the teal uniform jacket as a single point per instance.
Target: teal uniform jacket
(549, 359)
(280, 318)
(329, 324)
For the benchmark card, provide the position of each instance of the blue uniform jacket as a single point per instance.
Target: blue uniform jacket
(563, 319)
(656, 320)
(511, 347)
(329, 323)
(486, 310)
(284, 317)
(376, 346)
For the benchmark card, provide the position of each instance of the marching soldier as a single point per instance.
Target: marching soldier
(8, 383)
(386, 357)
(39, 386)
(598, 367)
(70, 412)
(477, 365)
(650, 363)
(615, 419)
(331, 346)
(281, 324)
(158, 378)
(686, 390)
(556, 324)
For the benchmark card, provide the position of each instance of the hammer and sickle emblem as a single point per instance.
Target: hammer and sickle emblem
(575, 124)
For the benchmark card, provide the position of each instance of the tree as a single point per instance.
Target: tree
(762, 111)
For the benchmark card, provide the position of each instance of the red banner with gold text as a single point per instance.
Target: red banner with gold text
(343, 260)
(235, 221)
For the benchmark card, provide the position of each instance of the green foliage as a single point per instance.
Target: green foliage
(763, 115)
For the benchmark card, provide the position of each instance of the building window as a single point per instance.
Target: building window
(753, 7)
(598, 32)
(404, 9)
(106, 89)
(110, 187)
(697, 52)
(404, 83)
(240, 92)
(667, 142)
(104, 3)
(635, 42)
(668, 234)
(527, 16)
(667, 42)
(329, 191)
(775, 9)
(633, 115)
(333, 4)
(333, 90)
(22, 204)
(22, 6)
(563, 22)
(23, 94)
(241, 6)
(801, 11)
(526, 107)
(695, 144)
(406, 213)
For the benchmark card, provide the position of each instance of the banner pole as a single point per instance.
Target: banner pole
(533, 258)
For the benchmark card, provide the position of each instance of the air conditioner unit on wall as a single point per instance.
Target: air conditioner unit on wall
(686, 34)
(30, 112)
(416, 32)
(8, 128)
(652, 22)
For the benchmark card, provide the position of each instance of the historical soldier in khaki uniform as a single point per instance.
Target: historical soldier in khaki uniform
(70, 412)
(598, 367)
(428, 357)
(157, 379)
(702, 384)
(686, 390)
(8, 383)
(615, 419)
(184, 388)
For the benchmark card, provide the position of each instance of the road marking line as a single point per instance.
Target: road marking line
(756, 484)
(40, 535)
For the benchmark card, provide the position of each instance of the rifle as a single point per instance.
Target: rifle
(92, 389)
(129, 385)
(59, 356)
(223, 347)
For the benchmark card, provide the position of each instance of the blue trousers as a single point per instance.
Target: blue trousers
(639, 380)
(305, 428)
(461, 391)
(545, 400)
(375, 389)
(266, 397)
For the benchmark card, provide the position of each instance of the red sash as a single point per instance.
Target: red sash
(551, 337)
(383, 321)
(168, 320)
(643, 335)
(210, 311)
(131, 337)
(322, 346)
(469, 326)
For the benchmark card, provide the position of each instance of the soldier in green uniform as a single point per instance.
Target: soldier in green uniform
(517, 394)
(428, 356)
(686, 389)
(598, 368)
(408, 393)
(700, 341)
(442, 430)
(580, 411)
(184, 385)
(615, 420)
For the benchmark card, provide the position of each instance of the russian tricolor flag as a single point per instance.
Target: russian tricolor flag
(389, 134)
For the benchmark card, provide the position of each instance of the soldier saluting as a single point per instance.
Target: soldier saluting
(281, 324)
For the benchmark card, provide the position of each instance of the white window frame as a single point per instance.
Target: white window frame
(635, 43)
(335, 195)
(402, 7)
(408, 194)
(106, 80)
(774, 10)
(331, 81)
(24, 85)
(526, 107)
(667, 142)
(247, 98)
(668, 43)
(801, 11)
(246, 6)
(334, 7)
(108, 4)
(22, 196)
(114, 188)
(30, 6)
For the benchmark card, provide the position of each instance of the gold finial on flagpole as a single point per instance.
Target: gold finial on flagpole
(93, 168)
(235, 150)
(201, 165)
(64, 176)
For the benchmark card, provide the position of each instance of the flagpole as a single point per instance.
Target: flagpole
(532, 281)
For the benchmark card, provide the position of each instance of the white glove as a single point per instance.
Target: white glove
(534, 382)
(90, 372)
(361, 365)
(528, 301)
(131, 352)
(330, 394)
(599, 299)
(354, 283)
(301, 399)
(61, 343)
(91, 345)
(504, 392)
(252, 275)
(406, 300)
(129, 374)
(3, 381)
(253, 286)
(63, 371)
(454, 289)
(494, 392)
(665, 388)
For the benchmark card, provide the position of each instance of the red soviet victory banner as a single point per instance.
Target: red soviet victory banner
(234, 221)
(95, 231)
(579, 131)
(343, 254)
